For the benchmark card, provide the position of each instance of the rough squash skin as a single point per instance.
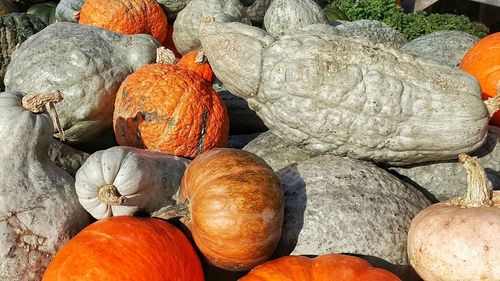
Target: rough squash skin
(127, 17)
(169, 109)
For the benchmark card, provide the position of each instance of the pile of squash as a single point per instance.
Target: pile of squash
(243, 140)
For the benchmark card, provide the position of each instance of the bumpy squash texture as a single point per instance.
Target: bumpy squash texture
(350, 97)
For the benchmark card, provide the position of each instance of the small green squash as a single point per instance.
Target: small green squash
(68, 10)
(45, 11)
(332, 13)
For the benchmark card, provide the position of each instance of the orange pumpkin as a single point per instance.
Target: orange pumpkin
(126, 248)
(195, 61)
(166, 108)
(483, 62)
(331, 267)
(127, 17)
(233, 204)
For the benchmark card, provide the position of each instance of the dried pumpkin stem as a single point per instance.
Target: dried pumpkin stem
(478, 194)
(35, 102)
(175, 211)
(109, 195)
(165, 56)
(493, 105)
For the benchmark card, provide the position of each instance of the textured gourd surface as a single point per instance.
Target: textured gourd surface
(342, 205)
(445, 47)
(256, 10)
(376, 31)
(186, 25)
(127, 249)
(349, 96)
(284, 16)
(126, 17)
(66, 10)
(147, 179)
(166, 108)
(66, 157)
(172, 6)
(14, 29)
(327, 267)
(87, 64)
(446, 180)
(39, 210)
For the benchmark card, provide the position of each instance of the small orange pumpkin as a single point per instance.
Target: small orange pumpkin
(483, 62)
(166, 108)
(125, 249)
(196, 61)
(330, 267)
(233, 204)
(127, 17)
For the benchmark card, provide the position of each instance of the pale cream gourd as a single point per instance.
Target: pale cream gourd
(123, 180)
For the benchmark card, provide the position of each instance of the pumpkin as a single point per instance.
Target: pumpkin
(45, 11)
(127, 17)
(256, 9)
(458, 239)
(349, 97)
(125, 249)
(482, 62)
(232, 203)
(185, 34)
(445, 47)
(87, 64)
(14, 29)
(328, 267)
(120, 181)
(7, 7)
(195, 61)
(166, 108)
(39, 208)
(243, 120)
(284, 16)
(69, 10)
(445, 180)
(66, 157)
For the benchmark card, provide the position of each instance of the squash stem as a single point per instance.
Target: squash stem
(200, 57)
(109, 195)
(493, 105)
(478, 194)
(35, 102)
(175, 211)
(165, 56)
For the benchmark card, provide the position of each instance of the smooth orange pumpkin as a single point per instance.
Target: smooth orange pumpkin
(195, 61)
(233, 204)
(330, 267)
(126, 248)
(127, 17)
(166, 108)
(483, 62)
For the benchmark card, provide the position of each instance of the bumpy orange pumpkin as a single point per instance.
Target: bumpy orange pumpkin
(126, 249)
(195, 61)
(331, 267)
(233, 204)
(166, 108)
(483, 62)
(127, 17)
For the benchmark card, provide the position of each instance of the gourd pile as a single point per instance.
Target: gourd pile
(243, 140)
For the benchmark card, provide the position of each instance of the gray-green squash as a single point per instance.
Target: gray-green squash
(186, 25)
(172, 7)
(445, 47)
(66, 157)
(45, 11)
(285, 16)
(87, 64)
(341, 205)
(14, 29)
(256, 9)
(349, 96)
(376, 31)
(68, 10)
(446, 180)
(242, 120)
(39, 210)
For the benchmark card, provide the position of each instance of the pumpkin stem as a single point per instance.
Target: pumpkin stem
(165, 56)
(109, 195)
(77, 15)
(478, 194)
(175, 211)
(35, 102)
(493, 104)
